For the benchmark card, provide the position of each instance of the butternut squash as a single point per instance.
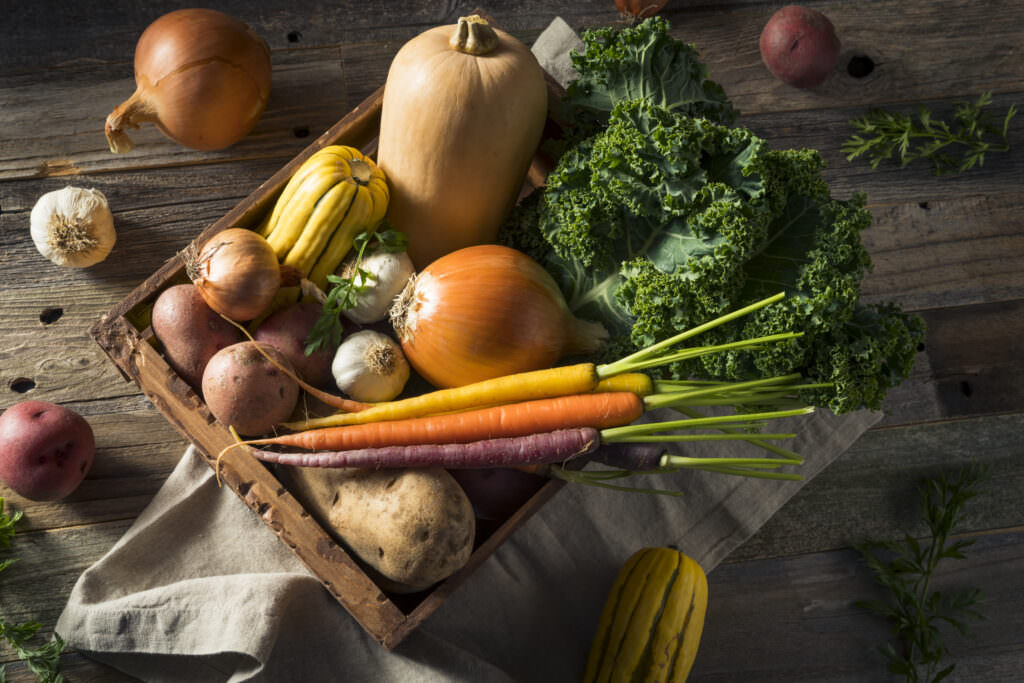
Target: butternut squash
(463, 112)
(652, 621)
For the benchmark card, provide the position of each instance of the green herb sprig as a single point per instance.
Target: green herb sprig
(345, 291)
(42, 660)
(907, 568)
(952, 148)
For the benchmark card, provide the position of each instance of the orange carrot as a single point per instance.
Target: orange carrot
(596, 410)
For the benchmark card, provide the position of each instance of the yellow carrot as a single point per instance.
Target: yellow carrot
(635, 382)
(523, 386)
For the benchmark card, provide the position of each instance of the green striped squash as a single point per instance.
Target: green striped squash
(651, 623)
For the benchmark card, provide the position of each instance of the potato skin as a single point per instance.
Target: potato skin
(190, 331)
(45, 450)
(412, 527)
(287, 330)
(799, 46)
(243, 389)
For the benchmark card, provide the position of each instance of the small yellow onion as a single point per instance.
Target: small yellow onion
(485, 311)
(237, 273)
(202, 76)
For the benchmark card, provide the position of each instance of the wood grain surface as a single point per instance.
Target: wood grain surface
(782, 606)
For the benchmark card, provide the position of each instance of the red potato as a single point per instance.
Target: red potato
(190, 331)
(45, 450)
(245, 390)
(287, 331)
(799, 46)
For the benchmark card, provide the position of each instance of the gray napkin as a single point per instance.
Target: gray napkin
(198, 589)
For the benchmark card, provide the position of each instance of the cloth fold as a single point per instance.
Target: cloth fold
(198, 589)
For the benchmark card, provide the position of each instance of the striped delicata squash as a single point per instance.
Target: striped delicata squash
(333, 196)
(651, 623)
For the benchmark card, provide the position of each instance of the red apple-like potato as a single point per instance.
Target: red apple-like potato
(244, 389)
(799, 46)
(45, 450)
(287, 330)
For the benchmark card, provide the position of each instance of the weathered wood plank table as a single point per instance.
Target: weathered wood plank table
(950, 248)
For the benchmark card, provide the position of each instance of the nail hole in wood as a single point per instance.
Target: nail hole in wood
(294, 36)
(860, 66)
(50, 315)
(924, 205)
(965, 388)
(300, 132)
(22, 385)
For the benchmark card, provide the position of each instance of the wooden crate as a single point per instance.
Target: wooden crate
(125, 336)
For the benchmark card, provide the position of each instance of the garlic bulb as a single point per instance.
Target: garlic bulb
(73, 227)
(369, 366)
(388, 273)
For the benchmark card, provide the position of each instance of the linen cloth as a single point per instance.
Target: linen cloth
(198, 589)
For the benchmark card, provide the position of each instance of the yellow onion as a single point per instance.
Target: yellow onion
(202, 76)
(486, 311)
(237, 273)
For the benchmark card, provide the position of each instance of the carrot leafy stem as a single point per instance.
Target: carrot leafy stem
(952, 148)
(907, 567)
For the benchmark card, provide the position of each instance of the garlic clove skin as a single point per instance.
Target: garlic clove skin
(369, 366)
(389, 272)
(73, 227)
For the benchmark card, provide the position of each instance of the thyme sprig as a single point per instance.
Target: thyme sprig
(951, 148)
(346, 289)
(42, 660)
(906, 568)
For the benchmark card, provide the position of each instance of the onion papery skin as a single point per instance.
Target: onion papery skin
(237, 274)
(485, 311)
(202, 77)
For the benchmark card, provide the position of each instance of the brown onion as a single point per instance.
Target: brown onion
(202, 76)
(487, 311)
(237, 273)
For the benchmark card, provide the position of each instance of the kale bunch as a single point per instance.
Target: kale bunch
(642, 61)
(665, 218)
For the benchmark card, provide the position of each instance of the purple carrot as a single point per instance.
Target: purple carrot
(534, 449)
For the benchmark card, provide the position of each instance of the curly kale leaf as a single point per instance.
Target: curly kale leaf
(663, 221)
(642, 61)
